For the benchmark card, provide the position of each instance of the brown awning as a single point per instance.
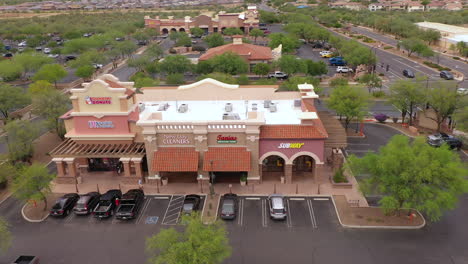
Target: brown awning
(70, 148)
(175, 159)
(226, 159)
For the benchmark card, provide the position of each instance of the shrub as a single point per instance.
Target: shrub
(437, 66)
(380, 117)
(378, 94)
(243, 79)
(198, 48)
(265, 81)
(388, 47)
(368, 40)
(381, 74)
(339, 176)
(359, 36)
(456, 58)
(395, 119)
(176, 78)
(243, 178)
(172, 51)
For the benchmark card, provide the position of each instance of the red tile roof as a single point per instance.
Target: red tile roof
(227, 159)
(292, 131)
(175, 159)
(250, 51)
(112, 84)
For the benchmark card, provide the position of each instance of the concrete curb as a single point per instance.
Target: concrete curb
(31, 220)
(378, 227)
(6, 197)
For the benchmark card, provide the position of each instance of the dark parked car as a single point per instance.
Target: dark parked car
(439, 139)
(130, 204)
(64, 205)
(229, 206)
(191, 203)
(408, 73)
(8, 55)
(26, 260)
(86, 203)
(70, 57)
(446, 75)
(106, 205)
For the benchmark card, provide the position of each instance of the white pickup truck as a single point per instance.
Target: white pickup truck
(278, 75)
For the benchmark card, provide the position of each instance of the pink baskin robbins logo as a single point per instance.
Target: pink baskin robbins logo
(98, 100)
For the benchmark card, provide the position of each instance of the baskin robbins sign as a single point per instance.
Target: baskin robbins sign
(226, 139)
(100, 124)
(98, 100)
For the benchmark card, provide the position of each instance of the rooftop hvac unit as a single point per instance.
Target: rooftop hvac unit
(228, 107)
(141, 107)
(266, 103)
(231, 116)
(297, 103)
(163, 107)
(273, 107)
(254, 107)
(183, 108)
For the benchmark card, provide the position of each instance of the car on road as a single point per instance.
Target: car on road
(106, 205)
(343, 69)
(228, 206)
(130, 204)
(408, 73)
(119, 39)
(266, 31)
(326, 54)
(277, 207)
(97, 66)
(337, 61)
(8, 55)
(38, 48)
(446, 75)
(46, 50)
(86, 203)
(64, 205)
(441, 138)
(462, 91)
(278, 75)
(53, 56)
(70, 57)
(22, 44)
(26, 260)
(191, 203)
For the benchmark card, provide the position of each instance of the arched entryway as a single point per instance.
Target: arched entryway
(173, 30)
(243, 29)
(165, 31)
(181, 29)
(273, 167)
(303, 168)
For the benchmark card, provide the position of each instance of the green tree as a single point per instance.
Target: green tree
(5, 236)
(197, 32)
(19, 139)
(50, 73)
(292, 83)
(416, 45)
(371, 81)
(33, 183)
(256, 33)
(140, 63)
(175, 79)
(85, 71)
(430, 36)
(141, 35)
(154, 51)
(11, 97)
(31, 61)
(10, 71)
(316, 68)
(204, 67)
(50, 106)
(291, 64)
(170, 246)
(462, 48)
(176, 64)
(412, 174)
(125, 48)
(289, 43)
(214, 40)
(444, 101)
(232, 31)
(461, 114)
(407, 95)
(184, 40)
(40, 87)
(349, 102)
(262, 69)
(145, 82)
(230, 63)
(340, 81)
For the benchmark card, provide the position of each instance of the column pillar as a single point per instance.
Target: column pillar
(126, 164)
(138, 167)
(288, 171)
(60, 167)
(71, 167)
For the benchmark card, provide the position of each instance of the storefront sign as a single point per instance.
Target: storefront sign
(290, 145)
(98, 100)
(226, 139)
(100, 124)
(177, 139)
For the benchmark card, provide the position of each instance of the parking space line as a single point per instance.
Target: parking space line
(69, 218)
(252, 198)
(240, 220)
(264, 220)
(161, 198)
(321, 199)
(145, 206)
(312, 214)
(167, 219)
(288, 218)
(296, 199)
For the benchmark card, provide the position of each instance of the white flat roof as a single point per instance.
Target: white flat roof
(444, 27)
(286, 113)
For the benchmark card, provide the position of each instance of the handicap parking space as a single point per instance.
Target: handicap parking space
(152, 210)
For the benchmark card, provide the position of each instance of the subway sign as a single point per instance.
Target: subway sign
(290, 145)
(226, 139)
(100, 124)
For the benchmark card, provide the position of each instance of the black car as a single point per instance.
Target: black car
(106, 205)
(130, 204)
(86, 203)
(228, 206)
(8, 55)
(64, 205)
(408, 73)
(191, 203)
(446, 75)
(70, 57)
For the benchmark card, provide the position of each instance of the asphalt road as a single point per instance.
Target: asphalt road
(311, 234)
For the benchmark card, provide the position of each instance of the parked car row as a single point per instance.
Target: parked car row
(441, 138)
(126, 206)
(276, 207)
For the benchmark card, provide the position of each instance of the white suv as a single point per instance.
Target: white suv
(343, 69)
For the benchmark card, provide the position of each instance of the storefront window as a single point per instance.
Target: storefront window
(103, 164)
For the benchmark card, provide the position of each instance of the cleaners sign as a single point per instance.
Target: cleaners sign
(100, 124)
(176, 139)
(98, 100)
(226, 139)
(290, 145)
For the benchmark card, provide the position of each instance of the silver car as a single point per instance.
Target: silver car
(277, 207)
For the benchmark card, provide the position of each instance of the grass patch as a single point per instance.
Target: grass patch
(378, 94)
(339, 176)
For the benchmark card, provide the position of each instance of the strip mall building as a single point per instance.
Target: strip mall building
(190, 133)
